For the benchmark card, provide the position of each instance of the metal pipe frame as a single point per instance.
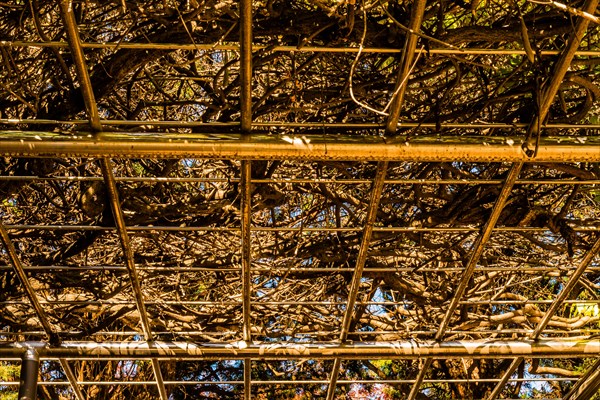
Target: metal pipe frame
(66, 8)
(287, 124)
(587, 385)
(573, 334)
(476, 253)
(106, 167)
(30, 364)
(291, 382)
(270, 147)
(406, 350)
(255, 47)
(551, 271)
(119, 218)
(558, 302)
(549, 91)
(53, 337)
(416, 181)
(17, 267)
(381, 229)
(246, 65)
(408, 55)
(115, 204)
(246, 222)
(296, 303)
(478, 247)
(359, 267)
(562, 66)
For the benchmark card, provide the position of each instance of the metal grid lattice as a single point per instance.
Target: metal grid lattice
(293, 248)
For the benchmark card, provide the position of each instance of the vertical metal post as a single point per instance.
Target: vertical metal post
(408, 54)
(87, 91)
(80, 65)
(41, 314)
(246, 65)
(246, 221)
(548, 95)
(376, 191)
(562, 66)
(30, 363)
(476, 253)
(573, 279)
(115, 204)
(587, 385)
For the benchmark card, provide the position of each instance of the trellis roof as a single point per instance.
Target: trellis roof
(333, 181)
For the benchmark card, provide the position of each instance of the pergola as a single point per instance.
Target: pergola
(378, 158)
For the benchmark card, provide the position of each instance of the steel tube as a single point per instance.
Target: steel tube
(587, 385)
(292, 382)
(315, 49)
(87, 91)
(382, 229)
(66, 8)
(562, 66)
(560, 299)
(22, 275)
(30, 364)
(409, 349)
(246, 221)
(119, 218)
(408, 55)
(72, 379)
(271, 147)
(416, 387)
(549, 92)
(361, 259)
(566, 290)
(551, 271)
(478, 247)
(246, 65)
(291, 303)
(117, 212)
(476, 253)
(572, 333)
(39, 310)
(408, 181)
(287, 124)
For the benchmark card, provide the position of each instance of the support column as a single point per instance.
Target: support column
(30, 364)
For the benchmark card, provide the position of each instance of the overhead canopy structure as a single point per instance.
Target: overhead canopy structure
(315, 199)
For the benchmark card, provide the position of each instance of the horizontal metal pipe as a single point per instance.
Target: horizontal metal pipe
(305, 229)
(255, 47)
(408, 349)
(520, 269)
(296, 382)
(271, 147)
(573, 333)
(286, 124)
(166, 179)
(259, 303)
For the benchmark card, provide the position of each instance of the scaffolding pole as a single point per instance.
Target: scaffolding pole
(476, 253)
(39, 310)
(30, 364)
(376, 191)
(272, 147)
(91, 106)
(406, 349)
(549, 92)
